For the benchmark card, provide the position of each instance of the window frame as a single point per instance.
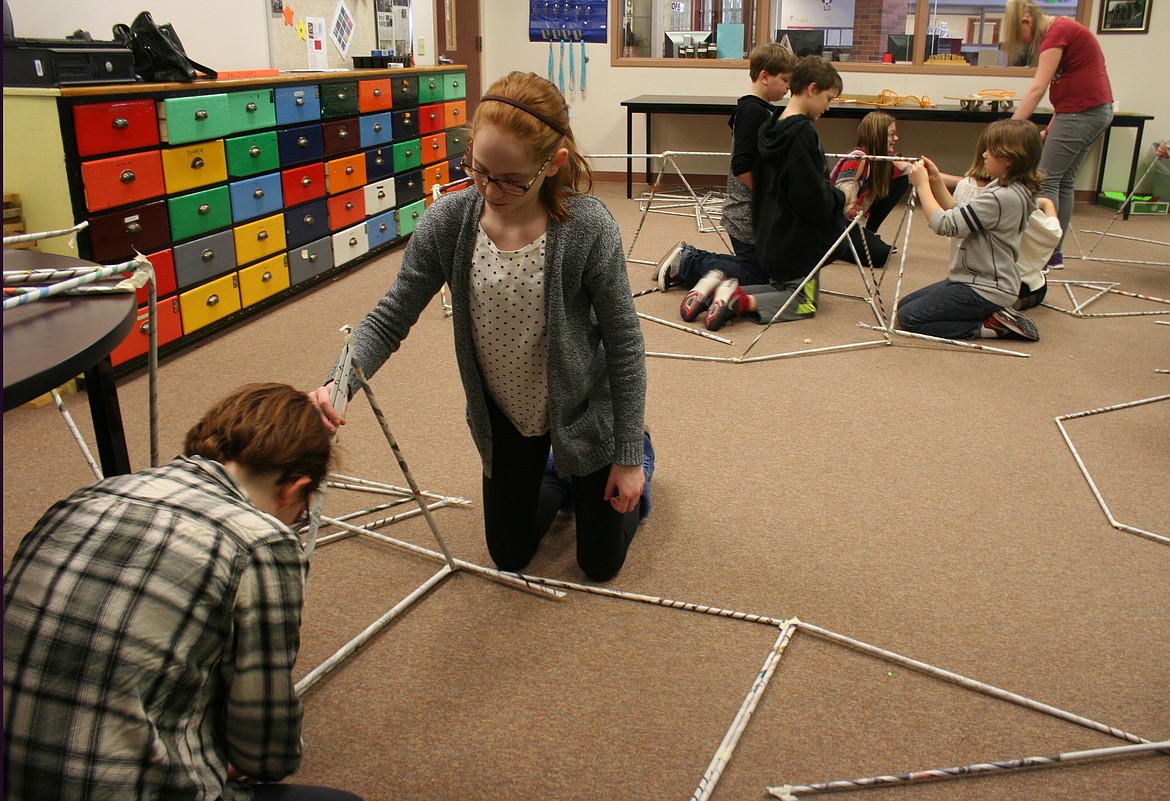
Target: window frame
(921, 22)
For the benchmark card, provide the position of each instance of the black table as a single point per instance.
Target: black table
(650, 105)
(47, 342)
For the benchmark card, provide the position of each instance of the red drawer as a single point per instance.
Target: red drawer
(431, 119)
(121, 180)
(137, 342)
(347, 209)
(115, 236)
(303, 183)
(341, 136)
(110, 127)
(164, 276)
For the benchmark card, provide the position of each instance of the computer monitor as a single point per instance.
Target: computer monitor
(675, 41)
(802, 41)
(901, 46)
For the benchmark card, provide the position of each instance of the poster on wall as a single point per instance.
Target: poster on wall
(315, 40)
(341, 30)
(578, 21)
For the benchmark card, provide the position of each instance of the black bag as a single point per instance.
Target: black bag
(159, 56)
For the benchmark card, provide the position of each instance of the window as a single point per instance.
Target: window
(939, 33)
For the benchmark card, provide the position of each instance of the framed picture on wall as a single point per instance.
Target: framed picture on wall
(1124, 16)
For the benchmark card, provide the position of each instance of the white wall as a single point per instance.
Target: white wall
(223, 34)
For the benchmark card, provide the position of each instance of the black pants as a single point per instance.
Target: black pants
(519, 506)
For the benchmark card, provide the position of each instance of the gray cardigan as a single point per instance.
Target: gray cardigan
(596, 357)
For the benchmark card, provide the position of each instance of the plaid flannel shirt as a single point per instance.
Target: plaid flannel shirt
(150, 629)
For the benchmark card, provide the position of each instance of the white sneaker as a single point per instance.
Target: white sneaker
(666, 273)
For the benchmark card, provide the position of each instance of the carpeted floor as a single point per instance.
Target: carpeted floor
(914, 496)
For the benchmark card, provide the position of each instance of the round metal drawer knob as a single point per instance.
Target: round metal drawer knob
(127, 176)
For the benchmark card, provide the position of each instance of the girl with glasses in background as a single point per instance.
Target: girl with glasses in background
(872, 188)
(547, 340)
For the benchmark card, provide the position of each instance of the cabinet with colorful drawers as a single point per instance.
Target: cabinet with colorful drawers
(244, 192)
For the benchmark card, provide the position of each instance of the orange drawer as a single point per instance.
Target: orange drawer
(119, 180)
(374, 95)
(347, 209)
(345, 173)
(455, 114)
(137, 342)
(110, 127)
(433, 148)
(435, 174)
(263, 279)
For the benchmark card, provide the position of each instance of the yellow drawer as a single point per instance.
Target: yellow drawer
(209, 302)
(264, 279)
(193, 165)
(259, 238)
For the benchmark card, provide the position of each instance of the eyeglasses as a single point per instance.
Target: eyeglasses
(507, 187)
(302, 519)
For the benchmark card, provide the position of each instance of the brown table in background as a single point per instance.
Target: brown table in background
(47, 342)
(706, 105)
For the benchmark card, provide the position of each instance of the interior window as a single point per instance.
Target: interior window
(960, 33)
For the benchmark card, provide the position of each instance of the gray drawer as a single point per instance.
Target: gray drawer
(202, 259)
(309, 260)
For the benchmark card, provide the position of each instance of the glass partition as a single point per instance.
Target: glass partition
(937, 33)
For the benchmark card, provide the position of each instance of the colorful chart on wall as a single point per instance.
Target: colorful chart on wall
(567, 20)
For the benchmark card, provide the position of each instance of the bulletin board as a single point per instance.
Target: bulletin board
(567, 21)
(294, 25)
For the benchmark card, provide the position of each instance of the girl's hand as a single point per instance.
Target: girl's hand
(623, 490)
(919, 175)
(931, 168)
(1047, 206)
(329, 416)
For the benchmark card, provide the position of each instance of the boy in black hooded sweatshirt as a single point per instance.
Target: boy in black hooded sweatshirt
(796, 211)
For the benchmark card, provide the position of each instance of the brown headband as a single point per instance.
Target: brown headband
(549, 121)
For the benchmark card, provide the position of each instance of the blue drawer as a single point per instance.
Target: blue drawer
(306, 223)
(297, 104)
(381, 229)
(376, 129)
(255, 197)
(300, 144)
(379, 164)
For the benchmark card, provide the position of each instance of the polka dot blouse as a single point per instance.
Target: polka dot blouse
(510, 329)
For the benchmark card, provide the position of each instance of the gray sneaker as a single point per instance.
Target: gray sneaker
(666, 273)
(1009, 324)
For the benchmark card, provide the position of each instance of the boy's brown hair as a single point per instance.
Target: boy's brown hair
(772, 58)
(814, 70)
(268, 428)
(1018, 141)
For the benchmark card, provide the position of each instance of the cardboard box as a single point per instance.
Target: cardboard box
(1141, 204)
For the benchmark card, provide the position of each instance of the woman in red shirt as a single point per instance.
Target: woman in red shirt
(1070, 67)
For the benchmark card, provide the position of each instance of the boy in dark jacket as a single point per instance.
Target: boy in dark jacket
(796, 211)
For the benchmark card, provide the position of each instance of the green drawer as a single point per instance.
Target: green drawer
(408, 216)
(252, 154)
(430, 88)
(456, 142)
(199, 212)
(251, 111)
(194, 118)
(339, 99)
(407, 155)
(454, 86)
